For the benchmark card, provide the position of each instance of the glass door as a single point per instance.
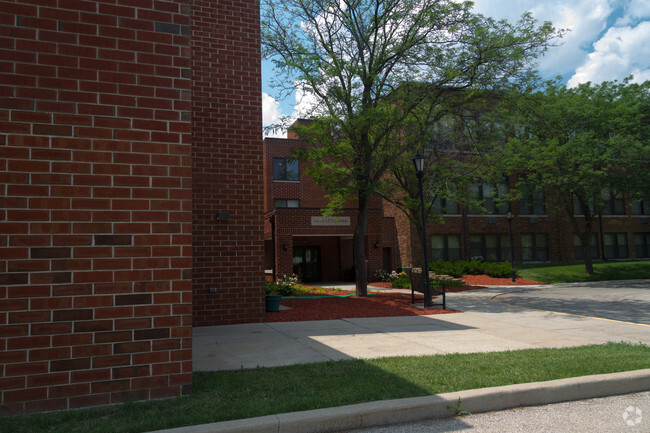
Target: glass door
(307, 263)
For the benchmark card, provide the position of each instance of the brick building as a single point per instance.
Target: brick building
(123, 124)
(293, 229)
(298, 239)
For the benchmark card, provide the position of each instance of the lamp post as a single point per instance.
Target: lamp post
(510, 217)
(418, 162)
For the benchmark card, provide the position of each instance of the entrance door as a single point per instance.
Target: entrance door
(306, 263)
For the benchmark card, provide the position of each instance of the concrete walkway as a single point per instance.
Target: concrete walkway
(488, 323)
(485, 325)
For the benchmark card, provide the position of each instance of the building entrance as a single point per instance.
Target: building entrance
(307, 263)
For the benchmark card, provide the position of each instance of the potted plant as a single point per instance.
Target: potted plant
(273, 297)
(275, 291)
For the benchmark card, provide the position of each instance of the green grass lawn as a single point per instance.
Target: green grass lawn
(249, 393)
(575, 272)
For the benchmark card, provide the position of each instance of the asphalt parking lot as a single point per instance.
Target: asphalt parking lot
(624, 301)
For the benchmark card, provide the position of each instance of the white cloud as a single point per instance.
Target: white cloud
(586, 19)
(271, 113)
(620, 52)
(635, 10)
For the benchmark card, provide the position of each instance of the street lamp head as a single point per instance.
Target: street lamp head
(510, 216)
(418, 162)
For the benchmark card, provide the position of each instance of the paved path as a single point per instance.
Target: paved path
(484, 325)
(627, 301)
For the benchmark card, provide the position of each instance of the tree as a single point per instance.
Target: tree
(372, 66)
(584, 145)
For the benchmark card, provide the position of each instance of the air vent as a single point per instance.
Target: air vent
(644, 220)
(533, 220)
(491, 220)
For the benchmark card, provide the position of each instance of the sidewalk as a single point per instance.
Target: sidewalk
(483, 326)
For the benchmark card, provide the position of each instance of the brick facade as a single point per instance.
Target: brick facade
(227, 185)
(293, 229)
(95, 193)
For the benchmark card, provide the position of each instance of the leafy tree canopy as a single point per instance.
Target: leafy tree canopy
(379, 71)
(582, 145)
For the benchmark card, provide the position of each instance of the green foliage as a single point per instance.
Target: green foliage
(575, 272)
(278, 289)
(382, 275)
(402, 281)
(458, 268)
(581, 145)
(379, 73)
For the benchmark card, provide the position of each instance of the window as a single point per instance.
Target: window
(286, 169)
(445, 206)
(534, 247)
(641, 207)
(445, 247)
(492, 247)
(491, 197)
(615, 203)
(579, 251)
(577, 208)
(286, 202)
(642, 245)
(616, 245)
(531, 201)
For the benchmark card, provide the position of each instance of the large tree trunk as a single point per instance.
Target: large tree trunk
(359, 245)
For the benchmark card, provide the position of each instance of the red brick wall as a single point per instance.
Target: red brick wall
(95, 215)
(227, 163)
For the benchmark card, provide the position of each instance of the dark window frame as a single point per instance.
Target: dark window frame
(537, 253)
(503, 250)
(445, 250)
(286, 203)
(281, 171)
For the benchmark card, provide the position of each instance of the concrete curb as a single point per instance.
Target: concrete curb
(388, 412)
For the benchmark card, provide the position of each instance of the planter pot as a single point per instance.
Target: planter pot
(273, 302)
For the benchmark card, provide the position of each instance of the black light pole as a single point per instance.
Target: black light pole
(510, 216)
(418, 162)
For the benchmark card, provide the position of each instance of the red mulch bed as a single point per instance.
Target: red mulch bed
(379, 305)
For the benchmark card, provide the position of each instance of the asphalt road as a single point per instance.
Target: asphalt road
(626, 301)
(620, 414)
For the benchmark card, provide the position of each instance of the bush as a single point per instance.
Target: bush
(458, 268)
(278, 289)
(382, 275)
(401, 281)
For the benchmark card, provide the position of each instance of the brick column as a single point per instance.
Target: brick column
(95, 202)
(227, 188)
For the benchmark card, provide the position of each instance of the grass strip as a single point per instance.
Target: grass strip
(575, 272)
(241, 394)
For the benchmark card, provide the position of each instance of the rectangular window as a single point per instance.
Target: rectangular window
(615, 203)
(615, 245)
(642, 245)
(286, 203)
(286, 169)
(579, 251)
(445, 247)
(531, 201)
(534, 247)
(491, 197)
(577, 208)
(445, 206)
(641, 207)
(492, 247)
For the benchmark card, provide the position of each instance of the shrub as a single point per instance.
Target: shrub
(382, 275)
(458, 268)
(401, 281)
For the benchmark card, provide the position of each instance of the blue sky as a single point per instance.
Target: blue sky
(608, 40)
